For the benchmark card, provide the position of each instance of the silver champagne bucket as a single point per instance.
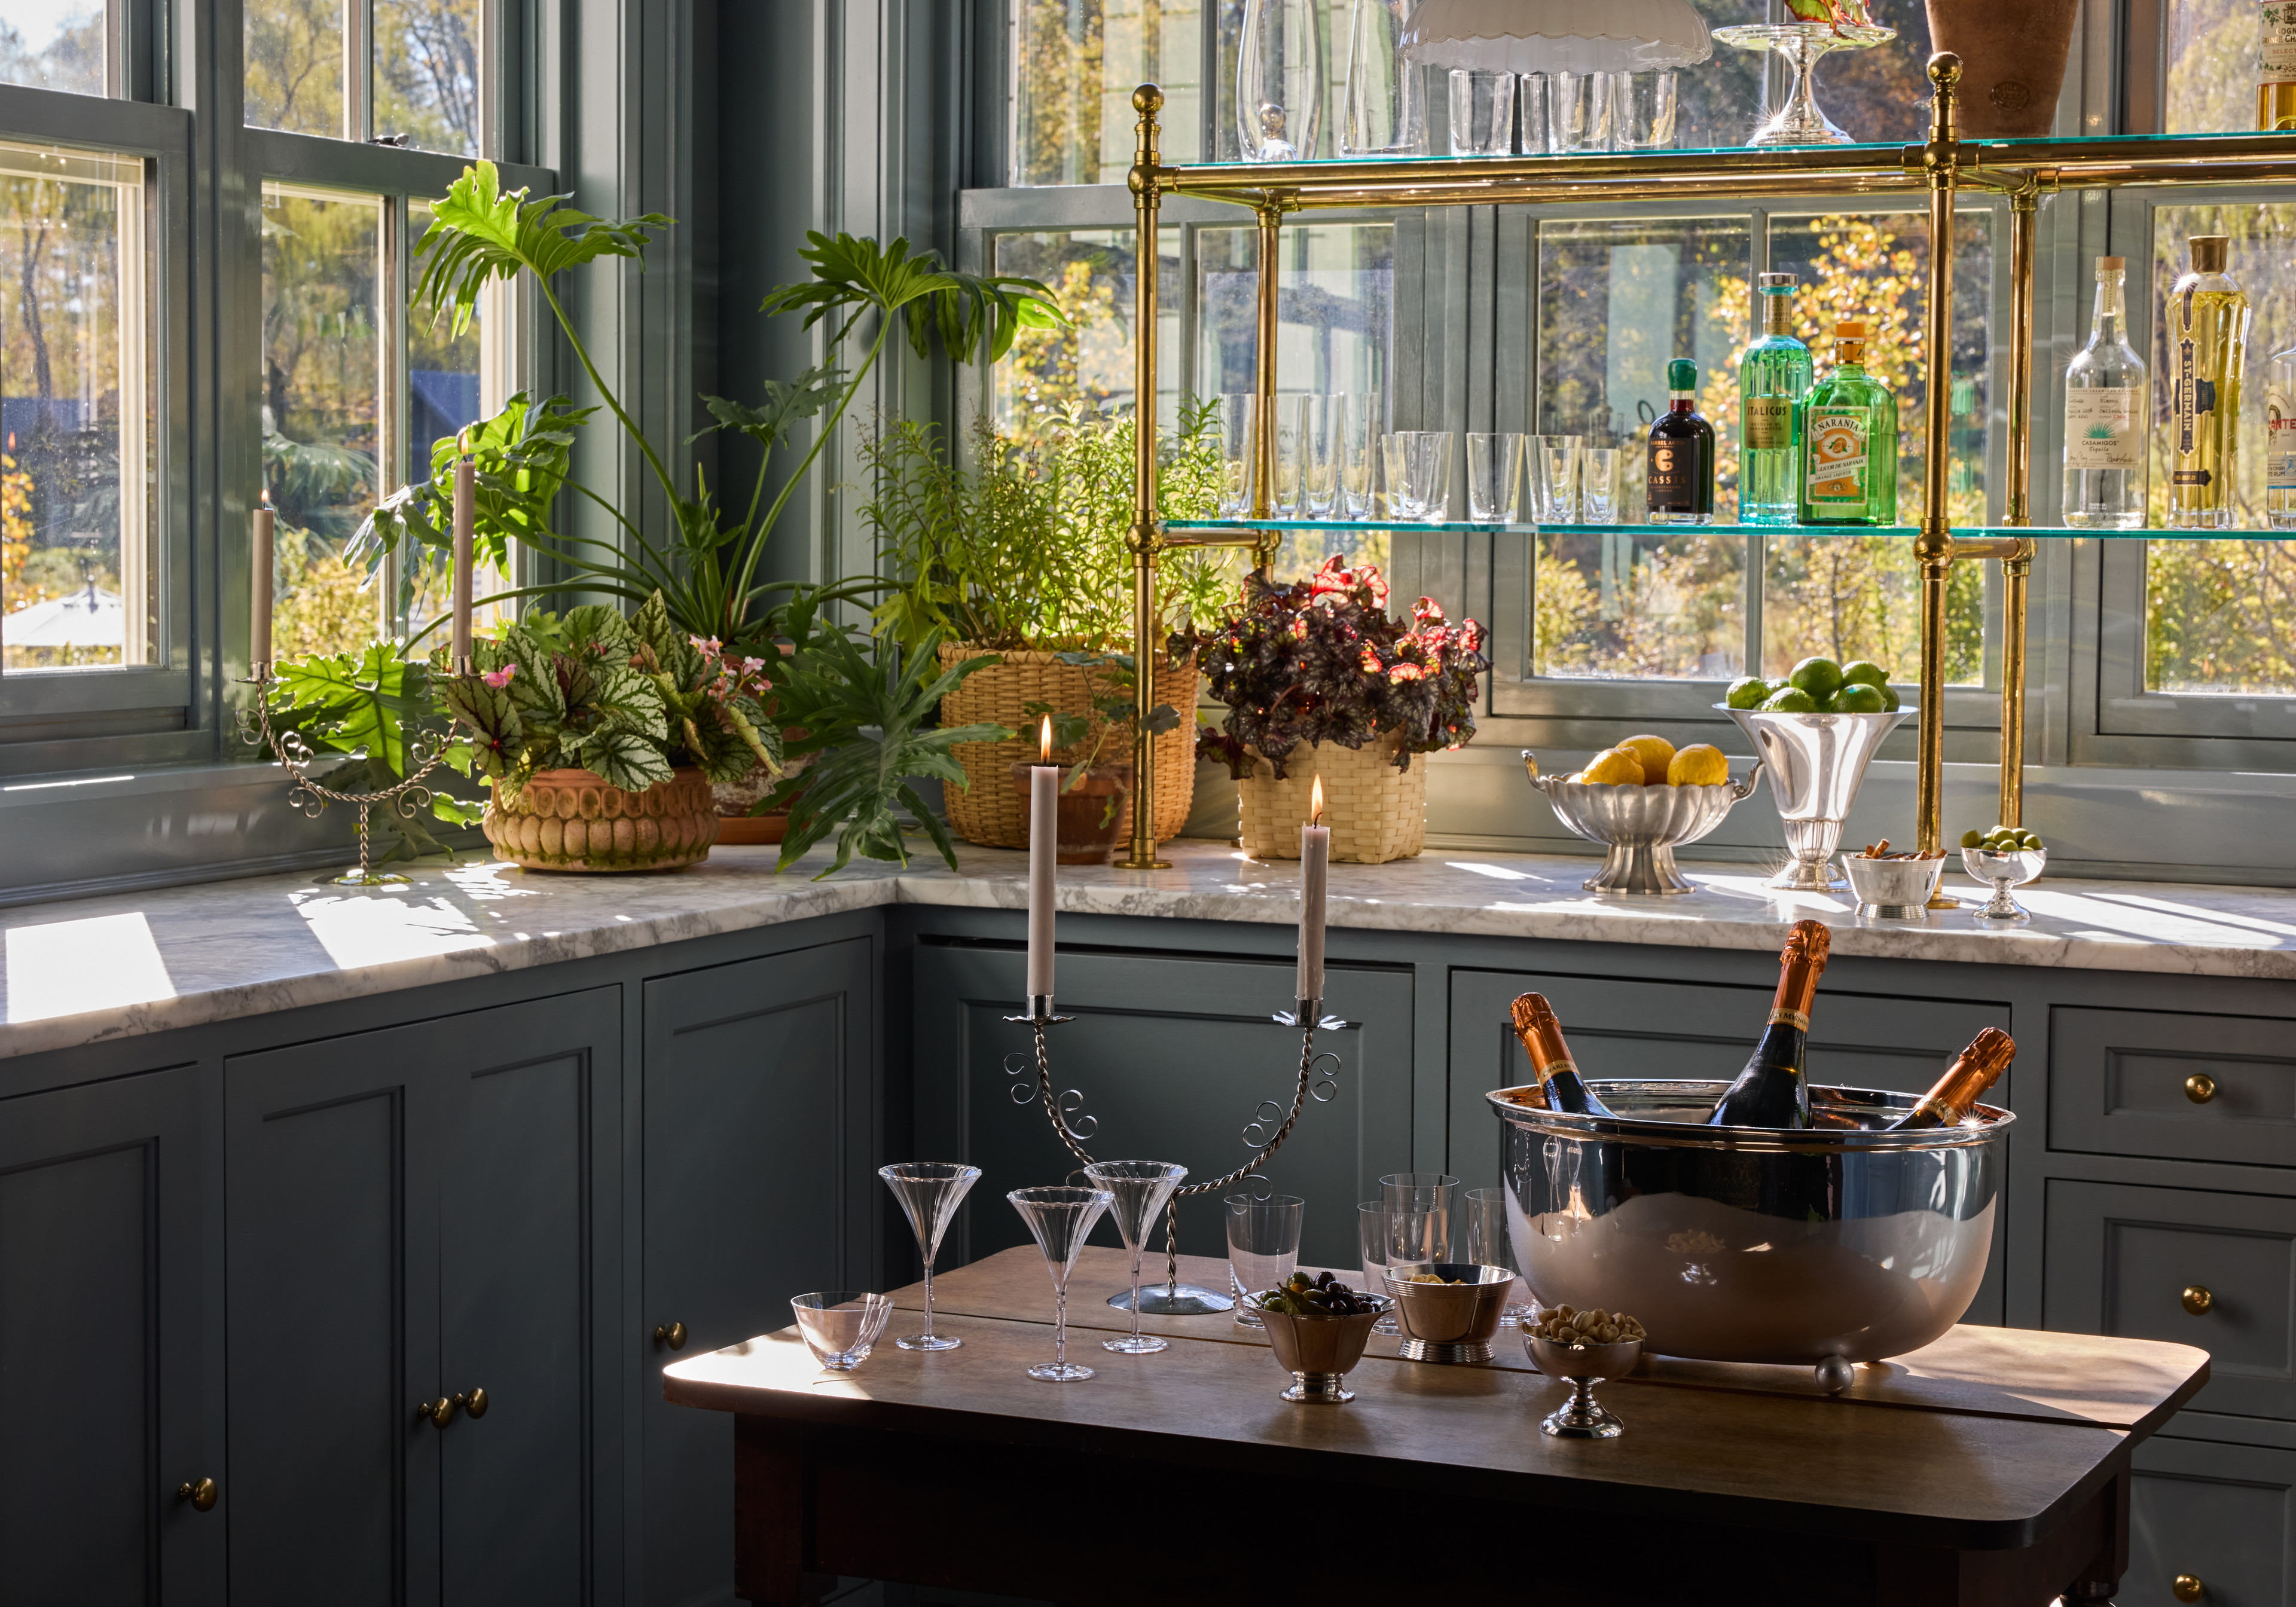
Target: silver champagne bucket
(1816, 763)
(1754, 1245)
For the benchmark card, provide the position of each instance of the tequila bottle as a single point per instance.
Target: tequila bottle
(2106, 401)
(1681, 472)
(2280, 440)
(1773, 381)
(1850, 440)
(2207, 353)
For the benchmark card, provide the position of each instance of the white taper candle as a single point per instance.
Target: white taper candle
(1044, 861)
(1315, 865)
(259, 608)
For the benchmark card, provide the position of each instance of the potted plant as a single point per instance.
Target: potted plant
(1319, 682)
(1094, 786)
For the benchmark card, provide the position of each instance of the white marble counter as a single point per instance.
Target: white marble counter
(113, 967)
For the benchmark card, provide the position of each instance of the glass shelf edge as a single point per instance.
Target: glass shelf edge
(1458, 527)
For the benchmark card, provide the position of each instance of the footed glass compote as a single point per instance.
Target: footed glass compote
(1060, 1219)
(1140, 1189)
(930, 1192)
(1800, 121)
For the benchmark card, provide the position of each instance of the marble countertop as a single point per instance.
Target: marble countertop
(125, 964)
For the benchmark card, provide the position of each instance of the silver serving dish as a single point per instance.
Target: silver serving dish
(2002, 872)
(1453, 1321)
(1754, 1245)
(1816, 763)
(1639, 828)
(1893, 889)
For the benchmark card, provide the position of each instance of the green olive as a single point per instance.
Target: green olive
(1973, 838)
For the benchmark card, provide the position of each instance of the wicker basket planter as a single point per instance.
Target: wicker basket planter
(571, 820)
(987, 812)
(1376, 812)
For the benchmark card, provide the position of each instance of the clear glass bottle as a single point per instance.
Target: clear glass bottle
(2280, 440)
(2208, 353)
(1680, 475)
(1850, 440)
(1773, 382)
(1280, 81)
(2106, 407)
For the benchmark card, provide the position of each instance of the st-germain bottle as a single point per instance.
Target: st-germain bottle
(2280, 440)
(1771, 1092)
(1535, 1024)
(1973, 1070)
(1773, 382)
(1850, 440)
(2207, 354)
(1681, 473)
(2107, 410)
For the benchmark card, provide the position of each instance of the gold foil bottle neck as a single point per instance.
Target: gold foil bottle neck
(2210, 252)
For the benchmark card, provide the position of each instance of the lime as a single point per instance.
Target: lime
(1747, 692)
(1858, 698)
(1789, 700)
(1973, 838)
(1864, 672)
(1889, 703)
(1819, 677)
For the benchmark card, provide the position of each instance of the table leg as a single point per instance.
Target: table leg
(2102, 1576)
(772, 1526)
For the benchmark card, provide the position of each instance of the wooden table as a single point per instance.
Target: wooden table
(1990, 1468)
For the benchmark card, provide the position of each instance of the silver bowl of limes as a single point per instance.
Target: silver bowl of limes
(1817, 730)
(1640, 817)
(2005, 857)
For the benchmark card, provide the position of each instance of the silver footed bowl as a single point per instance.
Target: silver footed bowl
(1639, 828)
(1816, 762)
(1754, 1245)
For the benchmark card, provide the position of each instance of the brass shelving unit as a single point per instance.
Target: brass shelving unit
(2022, 170)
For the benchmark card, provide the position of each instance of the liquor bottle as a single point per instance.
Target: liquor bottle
(2275, 67)
(1850, 440)
(2208, 351)
(1773, 382)
(1681, 478)
(1973, 1070)
(1771, 1091)
(2280, 440)
(1541, 1033)
(2105, 398)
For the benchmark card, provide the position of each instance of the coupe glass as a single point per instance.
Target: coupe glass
(1322, 425)
(930, 1192)
(1060, 1219)
(1239, 415)
(1140, 1190)
(841, 1326)
(1263, 1247)
(1494, 477)
(1373, 1232)
(1488, 1243)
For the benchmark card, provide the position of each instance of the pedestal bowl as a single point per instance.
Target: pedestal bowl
(2001, 872)
(1817, 764)
(1639, 828)
(1319, 1352)
(1455, 1320)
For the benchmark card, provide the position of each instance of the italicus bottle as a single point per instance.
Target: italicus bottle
(2275, 66)
(1973, 1070)
(1535, 1023)
(2208, 353)
(2280, 440)
(1771, 1092)
(2106, 402)
(1850, 440)
(1773, 381)
(1681, 474)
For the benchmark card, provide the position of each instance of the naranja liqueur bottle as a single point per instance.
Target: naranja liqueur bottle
(1850, 440)
(2275, 66)
(1773, 381)
(2207, 353)
(1973, 1070)
(1771, 1092)
(2106, 401)
(1681, 473)
(2280, 440)
(1541, 1032)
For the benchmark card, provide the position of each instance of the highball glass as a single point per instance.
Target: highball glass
(1418, 463)
(1421, 1207)
(1554, 478)
(1239, 416)
(1139, 1189)
(1284, 494)
(1373, 1234)
(841, 1326)
(1322, 424)
(1358, 426)
(1059, 1219)
(1641, 109)
(1483, 113)
(930, 1192)
(1533, 97)
(1488, 1243)
(1598, 486)
(1581, 110)
(1494, 477)
(1263, 1247)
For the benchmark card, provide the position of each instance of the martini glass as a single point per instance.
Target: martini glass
(1060, 1219)
(930, 1192)
(1139, 1189)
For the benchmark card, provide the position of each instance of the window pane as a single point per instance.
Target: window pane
(446, 390)
(295, 65)
(53, 44)
(321, 368)
(1334, 310)
(75, 479)
(1090, 363)
(2211, 66)
(426, 72)
(1648, 602)
(1074, 65)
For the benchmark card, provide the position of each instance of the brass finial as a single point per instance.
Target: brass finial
(1148, 98)
(1945, 68)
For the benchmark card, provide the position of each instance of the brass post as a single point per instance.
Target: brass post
(1933, 548)
(2014, 573)
(1147, 532)
(1263, 445)
(2024, 216)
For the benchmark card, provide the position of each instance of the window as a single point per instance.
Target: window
(2211, 66)
(407, 72)
(55, 45)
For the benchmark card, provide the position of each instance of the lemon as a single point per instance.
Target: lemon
(1654, 753)
(1614, 767)
(1699, 765)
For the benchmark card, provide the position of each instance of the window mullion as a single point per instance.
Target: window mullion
(358, 69)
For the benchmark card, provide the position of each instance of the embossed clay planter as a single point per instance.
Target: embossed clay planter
(571, 820)
(2013, 62)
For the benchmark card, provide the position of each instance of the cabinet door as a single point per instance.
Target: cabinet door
(759, 1184)
(107, 1360)
(2223, 1514)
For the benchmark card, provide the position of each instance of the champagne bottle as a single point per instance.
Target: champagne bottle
(1973, 1070)
(1541, 1033)
(1771, 1092)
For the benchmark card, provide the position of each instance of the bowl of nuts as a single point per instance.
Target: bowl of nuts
(1893, 887)
(1319, 1328)
(1584, 1347)
(1447, 1310)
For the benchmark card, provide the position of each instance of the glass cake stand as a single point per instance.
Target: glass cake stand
(1800, 122)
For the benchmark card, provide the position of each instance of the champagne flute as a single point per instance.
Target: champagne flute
(930, 1192)
(1059, 1219)
(1140, 1190)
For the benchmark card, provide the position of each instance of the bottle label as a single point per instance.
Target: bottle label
(2279, 442)
(1673, 476)
(2276, 52)
(2100, 428)
(1791, 1017)
(1838, 438)
(1769, 420)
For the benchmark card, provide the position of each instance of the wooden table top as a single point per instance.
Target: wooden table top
(1955, 1452)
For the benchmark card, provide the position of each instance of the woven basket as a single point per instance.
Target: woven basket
(987, 812)
(1376, 812)
(571, 820)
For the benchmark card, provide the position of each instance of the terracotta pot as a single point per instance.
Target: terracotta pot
(2013, 62)
(733, 800)
(1089, 818)
(749, 830)
(572, 820)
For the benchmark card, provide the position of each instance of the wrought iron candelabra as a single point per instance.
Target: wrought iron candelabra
(1270, 1125)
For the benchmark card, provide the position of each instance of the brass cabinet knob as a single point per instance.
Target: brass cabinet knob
(2198, 1301)
(440, 1411)
(2200, 1087)
(674, 1336)
(200, 1492)
(474, 1403)
(2187, 1588)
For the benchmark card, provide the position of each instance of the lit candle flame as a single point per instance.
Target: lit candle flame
(265, 496)
(1316, 803)
(1044, 741)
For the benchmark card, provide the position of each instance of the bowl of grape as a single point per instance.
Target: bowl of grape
(1317, 1327)
(2004, 857)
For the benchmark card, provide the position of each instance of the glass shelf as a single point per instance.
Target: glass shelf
(1231, 527)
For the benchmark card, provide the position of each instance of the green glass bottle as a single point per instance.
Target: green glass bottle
(1773, 383)
(1850, 440)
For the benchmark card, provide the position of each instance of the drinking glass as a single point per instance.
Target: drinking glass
(841, 1326)
(1395, 450)
(1581, 111)
(1420, 1206)
(1490, 1244)
(1483, 113)
(1641, 109)
(1554, 478)
(1139, 1189)
(930, 1192)
(1359, 427)
(1534, 95)
(1494, 477)
(1059, 1219)
(1418, 474)
(1322, 426)
(1263, 1247)
(1371, 1234)
(1287, 413)
(1239, 418)
(1598, 486)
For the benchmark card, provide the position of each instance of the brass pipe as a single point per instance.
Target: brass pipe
(1145, 537)
(2024, 216)
(1263, 429)
(2015, 569)
(1933, 548)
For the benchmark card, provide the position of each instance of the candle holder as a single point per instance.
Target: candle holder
(1270, 1125)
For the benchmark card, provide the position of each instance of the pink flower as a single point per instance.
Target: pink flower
(1405, 672)
(499, 678)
